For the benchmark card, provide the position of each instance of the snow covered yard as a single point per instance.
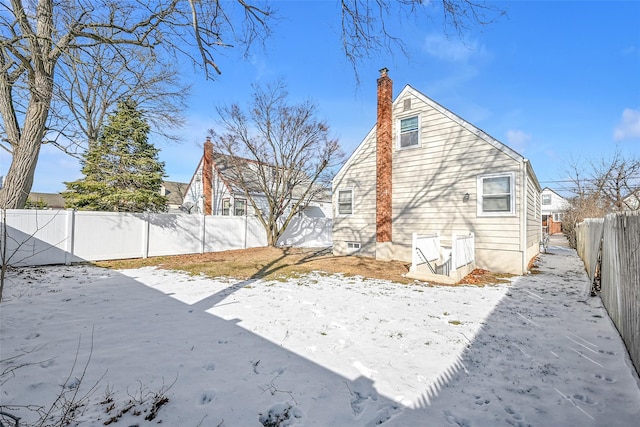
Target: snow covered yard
(315, 351)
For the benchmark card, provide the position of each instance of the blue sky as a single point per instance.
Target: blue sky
(556, 81)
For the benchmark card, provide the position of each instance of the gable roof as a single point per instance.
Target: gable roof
(51, 200)
(452, 116)
(460, 121)
(174, 191)
(553, 191)
(225, 164)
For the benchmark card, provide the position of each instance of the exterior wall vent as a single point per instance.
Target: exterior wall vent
(407, 104)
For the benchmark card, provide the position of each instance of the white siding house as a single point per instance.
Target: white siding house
(440, 174)
(213, 190)
(553, 207)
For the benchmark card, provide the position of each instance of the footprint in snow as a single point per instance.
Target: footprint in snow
(33, 335)
(207, 396)
(209, 366)
(362, 394)
(584, 399)
(453, 420)
(480, 401)
(509, 410)
(384, 415)
(47, 363)
(605, 378)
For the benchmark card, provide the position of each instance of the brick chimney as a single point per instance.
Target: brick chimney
(207, 177)
(384, 146)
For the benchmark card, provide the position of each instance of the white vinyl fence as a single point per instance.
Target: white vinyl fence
(46, 237)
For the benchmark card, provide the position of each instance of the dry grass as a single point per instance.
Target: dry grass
(279, 264)
(271, 264)
(481, 277)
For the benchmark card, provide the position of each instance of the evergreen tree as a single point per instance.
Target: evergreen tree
(122, 172)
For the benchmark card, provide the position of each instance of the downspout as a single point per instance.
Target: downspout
(525, 196)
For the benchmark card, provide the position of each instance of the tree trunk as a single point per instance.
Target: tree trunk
(19, 178)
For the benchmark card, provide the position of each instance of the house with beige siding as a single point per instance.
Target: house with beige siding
(423, 169)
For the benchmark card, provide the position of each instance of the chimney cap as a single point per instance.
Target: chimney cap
(384, 71)
(208, 139)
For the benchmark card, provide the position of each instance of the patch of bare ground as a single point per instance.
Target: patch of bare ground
(271, 264)
(281, 263)
(482, 277)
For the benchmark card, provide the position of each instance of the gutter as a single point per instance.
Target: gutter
(523, 235)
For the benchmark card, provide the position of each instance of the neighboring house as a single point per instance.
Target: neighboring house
(213, 189)
(553, 207)
(45, 201)
(423, 169)
(174, 192)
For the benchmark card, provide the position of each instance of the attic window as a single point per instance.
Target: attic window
(409, 136)
(546, 199)
(407, 104)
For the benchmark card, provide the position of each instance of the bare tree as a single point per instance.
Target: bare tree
(366, 28)
(606, 185)
(618, 181)
(280, 155)
(36, 36)
(93, 80)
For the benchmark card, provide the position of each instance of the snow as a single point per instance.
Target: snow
(320, 350)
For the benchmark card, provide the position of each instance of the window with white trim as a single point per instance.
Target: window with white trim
(409, 132)
(496, 194)
(226, 206)
(557, 217)
(239, 207)
(546, 199)
(345, 202)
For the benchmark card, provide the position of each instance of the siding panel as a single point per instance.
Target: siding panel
(430, 182)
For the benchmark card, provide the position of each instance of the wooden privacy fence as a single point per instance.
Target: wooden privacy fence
(618, 236)
(46, 237)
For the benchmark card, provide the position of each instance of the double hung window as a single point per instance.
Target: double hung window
(345, 202)
(409, 132)
(226, 205)
(496, 194)
(239, 207)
